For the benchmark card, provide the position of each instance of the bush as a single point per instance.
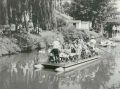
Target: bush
(49, 37)
(91, 33)
(7, 46)
(60, 22)
(70, 33)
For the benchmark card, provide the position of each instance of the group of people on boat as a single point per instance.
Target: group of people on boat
(72, 51)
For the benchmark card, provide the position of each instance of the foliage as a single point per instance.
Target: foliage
(60, 22)
(8, 46)
(3, 12)
(43, 13)
(70, 33)
(40, 11)
(50, 36)
(96, 11)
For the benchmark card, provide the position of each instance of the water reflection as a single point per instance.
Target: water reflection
(17, 72)
(93, 77)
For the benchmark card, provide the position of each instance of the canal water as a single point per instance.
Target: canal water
(17, 72)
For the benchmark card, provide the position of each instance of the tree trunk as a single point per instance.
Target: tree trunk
(45, 14)
(3, 12)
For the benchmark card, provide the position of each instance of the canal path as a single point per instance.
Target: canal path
(17, 72)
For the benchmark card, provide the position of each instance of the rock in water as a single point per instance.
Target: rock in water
(39, 66)
(60, 69)
(42, 51)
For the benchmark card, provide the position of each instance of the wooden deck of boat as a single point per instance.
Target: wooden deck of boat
(69, 64)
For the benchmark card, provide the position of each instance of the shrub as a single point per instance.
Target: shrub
(60, 22)
(50, 36)
(70, 33)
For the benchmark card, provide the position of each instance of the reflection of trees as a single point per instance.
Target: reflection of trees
(94, 77)
(76, 77)
(32, 80)
(100, 79)
(23, 58)
(21, 75)
(95, 82)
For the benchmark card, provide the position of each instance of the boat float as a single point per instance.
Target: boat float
(66, 66)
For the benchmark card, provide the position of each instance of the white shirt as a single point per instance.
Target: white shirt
(56, 44)
(92, 43)
(79, 49)
(114, 28)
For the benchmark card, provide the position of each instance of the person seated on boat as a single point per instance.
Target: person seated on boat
(66, 48)
(85, 53)
(92, 44)
(73, 47)
(79, 48)
(56, 49)
(64, 56)
(73, 51)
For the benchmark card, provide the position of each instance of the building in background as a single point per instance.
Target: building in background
(78, 24)
(82, 25)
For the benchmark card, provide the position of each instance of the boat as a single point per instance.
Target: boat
(107, 43)
(115, 39)
(113, 45)
(68, 73)
(66, 66)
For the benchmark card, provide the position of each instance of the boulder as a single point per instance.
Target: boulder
(60, 69)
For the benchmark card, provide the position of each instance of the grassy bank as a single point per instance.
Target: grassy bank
(8, 46)
(27, 42)
(24, 42)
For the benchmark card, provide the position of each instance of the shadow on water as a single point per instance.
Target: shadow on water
(17, 72)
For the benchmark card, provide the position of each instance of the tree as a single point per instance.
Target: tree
(40, 11)
(43, 13)
(96, 11)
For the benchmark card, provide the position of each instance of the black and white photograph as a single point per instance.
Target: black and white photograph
(59, 44)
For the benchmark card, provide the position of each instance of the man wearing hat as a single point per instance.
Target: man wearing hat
(57, 44)
(92, 42)
(56, 49)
